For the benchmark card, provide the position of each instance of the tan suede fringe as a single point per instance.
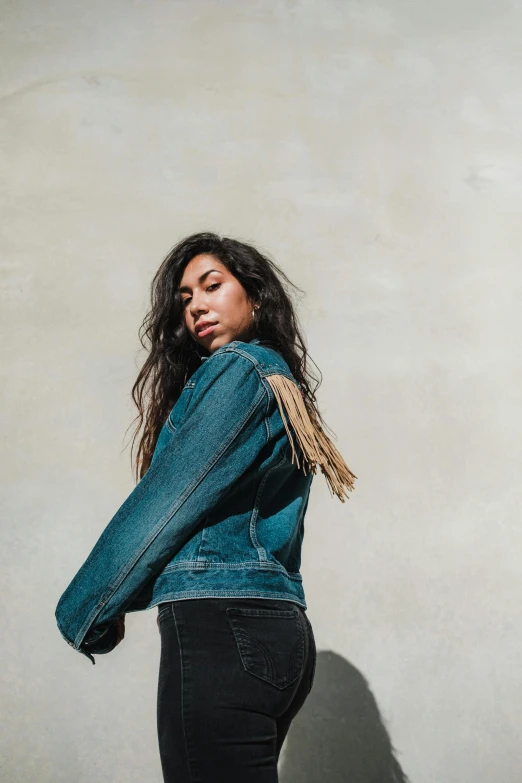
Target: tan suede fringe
(317, 447)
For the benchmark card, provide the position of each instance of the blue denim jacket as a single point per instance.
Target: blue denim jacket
(220, 511)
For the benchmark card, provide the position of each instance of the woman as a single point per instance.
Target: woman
(212, 532)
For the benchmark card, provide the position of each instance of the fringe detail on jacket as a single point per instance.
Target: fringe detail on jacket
(317, 447)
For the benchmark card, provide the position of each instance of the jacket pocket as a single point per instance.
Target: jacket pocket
(177, 413)
(270, 642)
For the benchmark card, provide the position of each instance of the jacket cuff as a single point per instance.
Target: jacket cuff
(102, 643)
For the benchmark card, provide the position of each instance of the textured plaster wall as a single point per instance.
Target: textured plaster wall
(374, 149)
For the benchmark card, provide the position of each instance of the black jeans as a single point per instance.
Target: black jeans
(233, 674)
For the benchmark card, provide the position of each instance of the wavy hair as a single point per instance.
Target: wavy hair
(173, 354)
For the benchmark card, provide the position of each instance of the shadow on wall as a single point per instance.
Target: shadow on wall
(339, 735)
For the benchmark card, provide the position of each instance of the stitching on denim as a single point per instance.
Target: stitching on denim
(204, 565)
(312, 651)
(182, 690)
(276, 370)
(244, 611)
(189, 386)
(159, 527)
(242, 639)
(261, 368)
(201, 534)
(261, 551)
(268, 390)
(189, 594)
(165, 610)
(299, 641)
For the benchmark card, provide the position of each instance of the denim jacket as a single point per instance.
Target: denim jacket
(220, 511)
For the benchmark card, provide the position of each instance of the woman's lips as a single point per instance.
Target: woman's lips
(206, 331)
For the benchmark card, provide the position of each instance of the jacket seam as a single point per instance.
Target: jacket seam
(202, 565)
(226, 593)
(159, 527)
(262, 369)
(269, 392)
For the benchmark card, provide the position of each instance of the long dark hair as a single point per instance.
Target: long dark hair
(173, 353)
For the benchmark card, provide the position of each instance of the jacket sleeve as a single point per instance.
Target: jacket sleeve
(219, 438)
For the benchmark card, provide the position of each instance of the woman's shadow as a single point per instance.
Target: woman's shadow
(339, 735)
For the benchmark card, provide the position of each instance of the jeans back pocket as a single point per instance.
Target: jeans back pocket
(270, 642)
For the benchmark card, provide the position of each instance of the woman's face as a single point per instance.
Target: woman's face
(210, 293)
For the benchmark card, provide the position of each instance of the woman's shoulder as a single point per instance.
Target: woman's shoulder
(264, 357)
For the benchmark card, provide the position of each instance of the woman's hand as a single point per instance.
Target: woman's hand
(120, 629)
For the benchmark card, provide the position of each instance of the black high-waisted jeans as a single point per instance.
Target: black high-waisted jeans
(233, 674)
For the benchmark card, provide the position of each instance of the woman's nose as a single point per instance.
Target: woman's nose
(197, 307)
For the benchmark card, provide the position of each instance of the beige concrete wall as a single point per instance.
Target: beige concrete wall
(374, 149)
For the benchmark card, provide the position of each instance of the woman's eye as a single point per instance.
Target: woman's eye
(185, 301)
